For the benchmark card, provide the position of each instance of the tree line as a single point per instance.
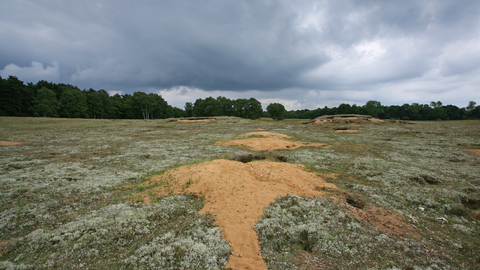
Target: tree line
(47, 99)
(414, 111)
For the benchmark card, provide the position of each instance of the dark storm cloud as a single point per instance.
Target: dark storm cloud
(304, 46)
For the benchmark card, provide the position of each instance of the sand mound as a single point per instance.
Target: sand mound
(267, 141)
(260, 129)
(237, 194)
(10, 143)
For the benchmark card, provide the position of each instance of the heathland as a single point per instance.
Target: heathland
(347, 193)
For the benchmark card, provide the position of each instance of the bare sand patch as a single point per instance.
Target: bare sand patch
(267, 141)
(237, 194)
(474, 151)
(196, 120)
(10, 143)
(376, 120)
(260, 129)
(259, 144)
(386, 221)
(3, 246)
(348, 131)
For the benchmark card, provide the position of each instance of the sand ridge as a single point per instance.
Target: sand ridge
(264, 140)
(237, 194)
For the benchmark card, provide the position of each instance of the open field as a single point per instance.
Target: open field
(407, 196)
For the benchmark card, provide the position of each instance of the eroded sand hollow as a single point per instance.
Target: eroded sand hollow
(237, 194)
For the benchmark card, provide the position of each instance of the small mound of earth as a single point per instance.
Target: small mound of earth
(260, 129)
(237, 193)
(193, 120)
(267, 141)
(10, 143)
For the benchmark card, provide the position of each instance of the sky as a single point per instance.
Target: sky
(304, 54)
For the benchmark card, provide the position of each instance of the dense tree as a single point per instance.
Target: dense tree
(276, 111)
(15, 97)
(373, 108)
(117, 108)
(73, 103)
(94, 103)
(18, 99)
(45, 103)
(188, 109)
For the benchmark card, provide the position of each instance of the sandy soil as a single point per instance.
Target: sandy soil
(348, 131)
(376, 120)
(237, 194)
(10, 143)
(475, 151)
(267, 141)
(3, 246)
(260, 129)
(386, 221)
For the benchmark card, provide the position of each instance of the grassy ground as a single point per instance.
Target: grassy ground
(60, 205)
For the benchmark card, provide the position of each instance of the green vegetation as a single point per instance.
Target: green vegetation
(65, 199)
(276, 111)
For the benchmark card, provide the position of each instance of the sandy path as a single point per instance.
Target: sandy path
(237, 194)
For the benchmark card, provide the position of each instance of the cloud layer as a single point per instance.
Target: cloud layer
(304, 53)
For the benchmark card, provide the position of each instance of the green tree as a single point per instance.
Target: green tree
(15, 97)
(73, 103)
(276, 111)
(45, 103)
(117, 108)
(188, 109)
(94, 103)
(374, 108)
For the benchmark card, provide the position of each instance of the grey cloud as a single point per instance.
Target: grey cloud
(243, 45)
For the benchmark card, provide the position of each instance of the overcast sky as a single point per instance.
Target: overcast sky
(303, 54)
